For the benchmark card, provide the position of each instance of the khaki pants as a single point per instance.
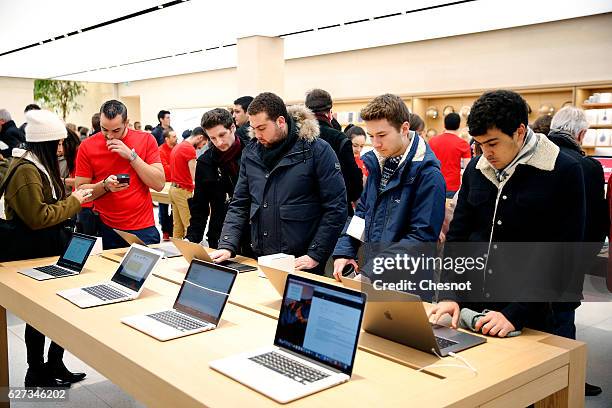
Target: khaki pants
(180, 211)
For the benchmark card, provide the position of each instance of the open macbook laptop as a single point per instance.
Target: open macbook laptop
(126, 284)
(191, 250)
(403, 319)
(197, 307)
(314, 347)
(70, 263)
(168, 250)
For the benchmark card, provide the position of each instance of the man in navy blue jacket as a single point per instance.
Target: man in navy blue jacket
(290, 189)
(404, 196)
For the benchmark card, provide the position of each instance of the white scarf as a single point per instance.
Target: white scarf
(31, 157)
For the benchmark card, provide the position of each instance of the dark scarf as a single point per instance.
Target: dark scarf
(272, 155)
(563, 138)
(322, 117)
(227, 159)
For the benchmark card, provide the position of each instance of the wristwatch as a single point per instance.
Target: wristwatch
(133, 156)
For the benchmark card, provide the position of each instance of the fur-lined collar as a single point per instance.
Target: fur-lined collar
(544, 158)
(304, 120)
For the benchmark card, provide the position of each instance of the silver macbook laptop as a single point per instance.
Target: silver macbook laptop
(314, 347)
(401, 317)
(70, 263)
(127, 283)
(191, 250)
(168, 250)
(198, 306)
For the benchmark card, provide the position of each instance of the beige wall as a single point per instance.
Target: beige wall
(563, 52)
(96, 95)
(15, 94)
(212, 88)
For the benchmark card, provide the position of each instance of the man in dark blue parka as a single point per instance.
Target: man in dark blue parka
(290, 188)
(404, 196)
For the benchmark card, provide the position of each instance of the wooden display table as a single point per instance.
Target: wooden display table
(511, 372)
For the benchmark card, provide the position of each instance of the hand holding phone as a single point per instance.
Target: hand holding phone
(123, 178)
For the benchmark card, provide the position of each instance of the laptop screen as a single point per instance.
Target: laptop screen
(77, 251)
(205, 290)
(320, 321)
(135, 267)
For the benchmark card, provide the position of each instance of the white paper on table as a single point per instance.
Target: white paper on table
(279, 261)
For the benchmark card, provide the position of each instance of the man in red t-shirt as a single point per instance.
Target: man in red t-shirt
(182, 175)
(120, 150)
(452, 151)
(165, 149)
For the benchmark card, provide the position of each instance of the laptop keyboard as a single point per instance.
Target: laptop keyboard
(176, 320)
(288, 367)
(444, 343)
(104, 292)
(54, 270)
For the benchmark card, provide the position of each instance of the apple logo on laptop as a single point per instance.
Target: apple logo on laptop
(388, 315)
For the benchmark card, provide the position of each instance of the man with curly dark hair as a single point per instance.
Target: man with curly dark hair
(522, 189)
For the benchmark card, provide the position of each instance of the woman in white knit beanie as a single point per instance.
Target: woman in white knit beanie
(35, 199)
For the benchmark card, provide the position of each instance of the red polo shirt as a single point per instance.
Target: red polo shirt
(132, 208)
(181, 155)
(164, 155)
(450, 149)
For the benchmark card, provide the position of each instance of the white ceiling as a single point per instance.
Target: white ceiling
(115, 53)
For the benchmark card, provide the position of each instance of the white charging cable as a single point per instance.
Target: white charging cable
(465, 365)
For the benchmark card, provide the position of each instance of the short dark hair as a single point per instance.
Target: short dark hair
(501, 109)
(387, 106)
(216, 117)
(162, 114)
(112, 108)
(452, 121)
(31, 106)
(244, 102)
(95, 122)
(167, 132)
(542, 124)
(354, 131)
(186, 133)
(318, 100)
(197, 131)
(148, 127)
(416, 122)
(269, 103)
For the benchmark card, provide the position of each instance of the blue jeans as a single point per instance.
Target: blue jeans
(110, 239)
(564, 325)
(165, 219)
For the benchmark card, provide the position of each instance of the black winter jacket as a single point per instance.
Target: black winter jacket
(214, 187)
(299, 207)
(12, 136)
(543, 201)
(344, 150)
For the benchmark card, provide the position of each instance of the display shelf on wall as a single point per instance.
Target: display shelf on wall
(597, 105)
